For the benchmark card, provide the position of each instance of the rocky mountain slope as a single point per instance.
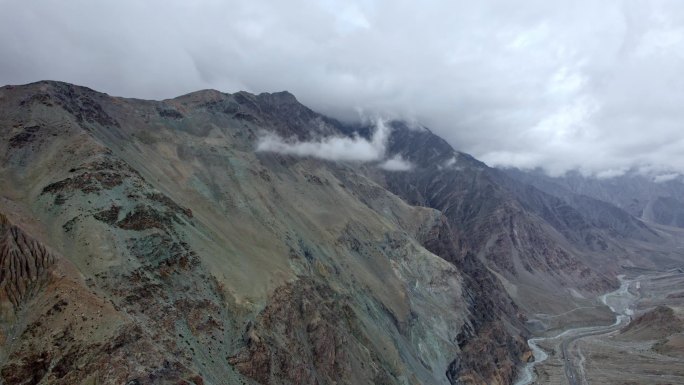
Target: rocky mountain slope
(655, 199)
(658, 323)
(190, 258)
(147, 242)
(543, 249)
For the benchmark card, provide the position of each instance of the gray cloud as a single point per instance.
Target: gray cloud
(589, 85)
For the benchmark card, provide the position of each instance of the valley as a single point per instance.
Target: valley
(610, 354)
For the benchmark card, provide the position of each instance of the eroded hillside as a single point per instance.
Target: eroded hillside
(190, 258)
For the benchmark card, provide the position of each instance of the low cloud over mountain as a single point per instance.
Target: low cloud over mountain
(340, 148)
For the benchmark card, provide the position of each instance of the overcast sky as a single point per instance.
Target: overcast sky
(585, 84)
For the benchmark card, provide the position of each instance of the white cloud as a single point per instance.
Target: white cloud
(665, 177)
(396, 163)
(336, 148)
(611, 173)
(340, 148)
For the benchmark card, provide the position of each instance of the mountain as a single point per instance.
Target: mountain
(219, 263)
(147, 242)
(541, 248)
(655, 200)
(656, 324)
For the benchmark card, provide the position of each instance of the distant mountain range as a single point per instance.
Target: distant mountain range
(148, 242)
(652, 199)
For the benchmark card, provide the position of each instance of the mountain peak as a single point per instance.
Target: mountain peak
(202, 96)
(52, 87)
(281, 97)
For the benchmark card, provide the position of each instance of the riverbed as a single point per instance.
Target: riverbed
(619, 301)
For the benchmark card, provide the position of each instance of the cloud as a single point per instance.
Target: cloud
(450, 162)
(588, 85)
(396, 163)
(340, 148)
(335, 148)
(665, 177)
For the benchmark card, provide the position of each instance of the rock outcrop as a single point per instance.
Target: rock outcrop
(25, 265)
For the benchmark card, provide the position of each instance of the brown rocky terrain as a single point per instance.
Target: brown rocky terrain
(656, 323)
